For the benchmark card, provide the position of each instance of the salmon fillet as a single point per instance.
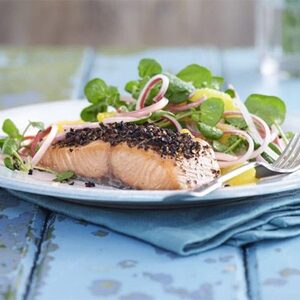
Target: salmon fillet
(140, 156)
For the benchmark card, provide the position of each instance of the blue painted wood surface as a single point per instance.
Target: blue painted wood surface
(21, 226)
(82, 261)
(29, 76)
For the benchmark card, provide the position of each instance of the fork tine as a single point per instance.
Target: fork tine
(289, 156)
(293, 158)
(296, 162)
(285, 153)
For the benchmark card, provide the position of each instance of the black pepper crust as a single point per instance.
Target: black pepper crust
(164, 141)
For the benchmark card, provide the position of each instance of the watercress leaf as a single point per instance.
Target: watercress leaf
(9, 163)
(270, 108)
(95, 90)
(235, 144)
(196, 115)
(211, 111)
(10, 129)
(131, 86)
(64, 176)
(179, 90)
(210, 132)
(157, 115)
(219, 147)
(38, 125)
(289, 135)
(113, 97)
(217, 82)
(10, 146)
(149, 67)
(197, 75)
(237, 122)
(2, 142)
(230, 92)
(89, 114)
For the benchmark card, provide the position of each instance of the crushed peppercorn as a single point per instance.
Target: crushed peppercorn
(147, 136)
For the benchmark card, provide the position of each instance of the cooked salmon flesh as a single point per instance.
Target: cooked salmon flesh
(140, 156)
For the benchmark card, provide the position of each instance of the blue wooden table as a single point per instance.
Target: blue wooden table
(47, 256)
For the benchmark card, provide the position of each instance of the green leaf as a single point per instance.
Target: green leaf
(9, 163)
(157, 115)
(199, 76)
(10, 146)
(217, 82)
(113, 97)
(11, 129)
(211, 111)
(95, 90)
(235, 144)
(231, 93)
(64, 176)
(38, 125)
(149, 67)
(237, 122)
(289, 135)
(270, 108)
(210, 132)
(132, 86)
(219, 147)
(178, 90)
(89, 114)
(2, 142)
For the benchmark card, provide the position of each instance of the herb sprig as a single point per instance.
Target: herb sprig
(13, 142)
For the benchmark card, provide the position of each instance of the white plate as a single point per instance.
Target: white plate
(41, 183)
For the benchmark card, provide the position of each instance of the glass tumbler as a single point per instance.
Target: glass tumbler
(278, 36)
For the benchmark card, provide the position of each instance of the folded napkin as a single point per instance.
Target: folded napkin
(187, 231)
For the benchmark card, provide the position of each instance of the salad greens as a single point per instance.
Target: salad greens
(11, 144)
(211, 111)
(101, 96)
(149, 67)
(270, 108)
(206, 116)
(237, 122)
(181, 86)
(210, 132)
(64, 176)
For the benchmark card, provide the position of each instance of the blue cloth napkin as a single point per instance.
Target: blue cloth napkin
(188, 231)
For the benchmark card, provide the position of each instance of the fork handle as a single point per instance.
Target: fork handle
(218, 182)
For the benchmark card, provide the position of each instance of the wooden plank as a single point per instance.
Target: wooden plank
(29, 76)
(130, 23)
(121, 267)
(82, 261)
(273, 266)
(21, 226)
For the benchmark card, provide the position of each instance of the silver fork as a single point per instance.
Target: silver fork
(288, 162)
